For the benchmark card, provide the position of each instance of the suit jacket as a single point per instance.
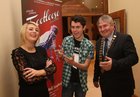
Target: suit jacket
(124, 56)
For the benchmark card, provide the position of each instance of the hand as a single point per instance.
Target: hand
(30, 73)
(59, 52)
(107, 65)
(48, 62)
(96, 84)
(69, 60)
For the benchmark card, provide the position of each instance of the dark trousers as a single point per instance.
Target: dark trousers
(73, 89)
(116, 92)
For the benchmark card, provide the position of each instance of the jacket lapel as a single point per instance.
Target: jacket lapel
(114, 40)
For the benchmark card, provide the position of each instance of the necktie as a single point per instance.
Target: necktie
(105, 48)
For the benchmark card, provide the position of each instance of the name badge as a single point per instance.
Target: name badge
(76, 58)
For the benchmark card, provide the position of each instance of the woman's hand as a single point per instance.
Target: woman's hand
(30, 73)
(48, 62)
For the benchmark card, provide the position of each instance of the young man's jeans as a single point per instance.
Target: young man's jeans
(73, 89)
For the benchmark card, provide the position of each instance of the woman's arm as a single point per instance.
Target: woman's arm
(20, 64)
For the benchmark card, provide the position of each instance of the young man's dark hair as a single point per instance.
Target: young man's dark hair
(79, 18)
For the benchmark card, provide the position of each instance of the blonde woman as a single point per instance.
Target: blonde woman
(32, 63)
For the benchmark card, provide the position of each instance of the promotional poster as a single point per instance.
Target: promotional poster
(47, 13)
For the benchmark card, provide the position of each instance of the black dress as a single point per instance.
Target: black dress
(35, 87)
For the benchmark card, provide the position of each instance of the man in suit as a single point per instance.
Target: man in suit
(113, 67)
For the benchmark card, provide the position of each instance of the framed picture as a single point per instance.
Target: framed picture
(119, 20)
(117, 25)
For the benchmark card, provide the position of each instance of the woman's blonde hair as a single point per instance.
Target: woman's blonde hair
(23, 31)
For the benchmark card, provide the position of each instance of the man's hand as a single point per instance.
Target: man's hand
(59, 52)
(96, 84)
(69, 60)
(107, 65)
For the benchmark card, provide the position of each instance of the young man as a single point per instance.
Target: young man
(113, 68)
(77, 52)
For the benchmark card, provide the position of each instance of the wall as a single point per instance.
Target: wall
(10, 18)
(132, 10)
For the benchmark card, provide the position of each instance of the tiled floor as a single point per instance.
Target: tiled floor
(92, 92)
